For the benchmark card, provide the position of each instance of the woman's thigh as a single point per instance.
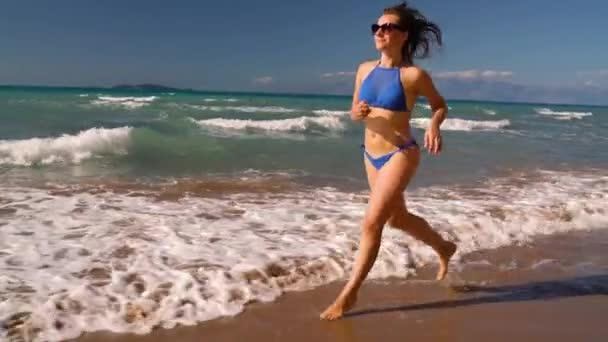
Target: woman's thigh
(388, 184)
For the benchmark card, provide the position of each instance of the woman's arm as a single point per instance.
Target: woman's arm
(358, 109)
(425, 87)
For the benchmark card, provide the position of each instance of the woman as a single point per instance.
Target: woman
(385, 91)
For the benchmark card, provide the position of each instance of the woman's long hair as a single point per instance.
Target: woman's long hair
(421, 31)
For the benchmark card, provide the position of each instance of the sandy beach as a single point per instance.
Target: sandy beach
(170, 173)
(554, 289)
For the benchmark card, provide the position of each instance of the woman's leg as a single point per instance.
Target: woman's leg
(420, 229)
(390, 181)
(415, 226)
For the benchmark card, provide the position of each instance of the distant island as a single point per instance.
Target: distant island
(147, 87)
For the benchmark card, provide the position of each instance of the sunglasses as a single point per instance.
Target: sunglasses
(388, 27)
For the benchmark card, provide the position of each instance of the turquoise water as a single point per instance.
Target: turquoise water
(177, 208)
(195, 133)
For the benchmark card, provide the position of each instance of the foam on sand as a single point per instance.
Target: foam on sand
(75, 261)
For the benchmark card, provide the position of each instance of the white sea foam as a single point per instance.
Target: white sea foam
(488, 111)
(455, 124)
(83, 95)
(66, 148)
(562, 115)
(211, 99)
(245, 109)
(299, 124)
(331, 112)
(427, 106)
(85, 261)
(130, 102)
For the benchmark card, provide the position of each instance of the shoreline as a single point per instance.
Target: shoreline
(543, 290)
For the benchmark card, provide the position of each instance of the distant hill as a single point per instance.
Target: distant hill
(145, 87)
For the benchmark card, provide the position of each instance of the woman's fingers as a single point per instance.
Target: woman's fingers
(363, 108)
(437, 144)
(360, 109)
(432, 142)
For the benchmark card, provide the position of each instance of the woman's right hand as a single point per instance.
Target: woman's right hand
(360, 111)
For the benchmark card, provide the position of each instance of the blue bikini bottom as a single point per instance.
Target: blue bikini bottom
(379, 162)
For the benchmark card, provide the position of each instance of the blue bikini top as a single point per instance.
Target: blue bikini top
(382, 88)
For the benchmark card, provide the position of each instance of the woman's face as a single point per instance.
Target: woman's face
(388, 37)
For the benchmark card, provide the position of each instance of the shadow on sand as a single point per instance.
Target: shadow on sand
(543, 290)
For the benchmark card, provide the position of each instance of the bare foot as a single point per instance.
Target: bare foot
(444, 258)
(339, 307)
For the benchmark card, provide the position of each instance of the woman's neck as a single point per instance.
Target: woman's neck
(390, 60)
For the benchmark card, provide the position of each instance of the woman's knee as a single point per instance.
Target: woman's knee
(399, 213)
(372, 225)
(405, 220)
(396, 220)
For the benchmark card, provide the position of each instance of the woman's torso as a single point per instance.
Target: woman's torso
(386, 128)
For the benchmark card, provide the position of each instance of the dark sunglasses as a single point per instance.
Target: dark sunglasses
(388, 27)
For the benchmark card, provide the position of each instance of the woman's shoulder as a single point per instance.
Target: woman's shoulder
(366, 65)
(411, 74)
(413, 71)
(365, 68)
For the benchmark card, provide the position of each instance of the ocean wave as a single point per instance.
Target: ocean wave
(562, 115)
(220, 100)
(299, 124)
(126, 262)
(488, 111)
(130, 102)
(66, 148)
(245, 109)
(330, 112)
(427, 106)
(455, 124)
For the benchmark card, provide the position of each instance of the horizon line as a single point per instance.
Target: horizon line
(117, 88)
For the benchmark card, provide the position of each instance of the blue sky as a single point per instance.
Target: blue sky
(535, 50)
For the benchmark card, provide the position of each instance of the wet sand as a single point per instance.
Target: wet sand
(555, 289)
(387, 315)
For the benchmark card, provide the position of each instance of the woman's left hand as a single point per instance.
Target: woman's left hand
(432, 140)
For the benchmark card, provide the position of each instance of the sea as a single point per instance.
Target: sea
(131, 210)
